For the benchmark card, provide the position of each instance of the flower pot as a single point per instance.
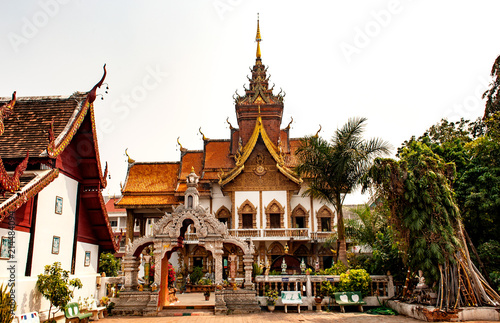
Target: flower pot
(207, 298)
(271, 308)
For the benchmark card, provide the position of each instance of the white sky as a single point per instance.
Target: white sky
(173, 66)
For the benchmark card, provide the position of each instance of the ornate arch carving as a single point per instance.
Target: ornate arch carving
(224, 213)
(300, 211)
(325, 212)
(247, 208)
(274, 207)
(276, 248)
(301, 250)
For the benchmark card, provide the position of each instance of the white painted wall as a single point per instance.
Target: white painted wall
(21, 244)
(81, 248)
(49, 224)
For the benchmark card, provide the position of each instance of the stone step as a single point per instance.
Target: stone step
(186, 311)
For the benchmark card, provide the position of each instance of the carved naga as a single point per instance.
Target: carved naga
(10, 183)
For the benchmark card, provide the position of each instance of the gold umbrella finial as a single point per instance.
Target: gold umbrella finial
(257, 37)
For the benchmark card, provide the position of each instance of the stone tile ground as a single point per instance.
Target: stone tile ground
(277, 317)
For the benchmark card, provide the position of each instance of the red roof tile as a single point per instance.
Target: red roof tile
(151, 177)
(217, 155)
(191, 159)
(27, 127)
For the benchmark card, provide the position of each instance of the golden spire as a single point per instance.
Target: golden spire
(257, 37)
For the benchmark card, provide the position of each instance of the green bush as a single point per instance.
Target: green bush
(109, 264)
(205, 281)
(7, 305)
(355, 280)
(328, 289)
(337, 269)
(196, 275)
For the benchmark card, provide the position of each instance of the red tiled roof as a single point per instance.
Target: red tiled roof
(27, 127)
(147, 200)
(191, 159)
(151, 177)
(111, 208)
(217, 155)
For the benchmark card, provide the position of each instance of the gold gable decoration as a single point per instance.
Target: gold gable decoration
(244, 153)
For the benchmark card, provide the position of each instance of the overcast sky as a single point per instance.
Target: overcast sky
(173, 66)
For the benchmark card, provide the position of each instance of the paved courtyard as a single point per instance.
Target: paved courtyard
(277, 317)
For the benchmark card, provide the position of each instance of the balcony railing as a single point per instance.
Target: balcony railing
(297, 234)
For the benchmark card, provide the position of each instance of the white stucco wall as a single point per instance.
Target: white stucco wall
(81, 248)
(49, 224)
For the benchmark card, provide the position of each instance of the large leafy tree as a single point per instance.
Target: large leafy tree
(334, 168)
(424, 213)
(492, 95)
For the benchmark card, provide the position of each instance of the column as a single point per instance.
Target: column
(218, 266)
(131, 271)
(130, 225)
(248, 261)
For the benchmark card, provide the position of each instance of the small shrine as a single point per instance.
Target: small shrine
(168, 237)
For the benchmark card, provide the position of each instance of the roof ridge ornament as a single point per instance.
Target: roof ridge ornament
(129, 160)
(92, 94)
(203, 135)
(317, 133)
(6, 110)
(258, 38)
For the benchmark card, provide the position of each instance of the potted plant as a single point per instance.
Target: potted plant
(105, 302)
(207, 295)
(272, 296)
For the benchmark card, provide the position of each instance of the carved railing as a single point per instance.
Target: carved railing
(245, 233)
(298, 233)
(321, 236)
(382, 285)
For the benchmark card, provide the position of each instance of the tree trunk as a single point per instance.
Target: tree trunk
(342, 248)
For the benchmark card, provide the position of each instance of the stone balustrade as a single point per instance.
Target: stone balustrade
(382, 286)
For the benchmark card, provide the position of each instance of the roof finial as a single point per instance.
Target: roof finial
(257, 38)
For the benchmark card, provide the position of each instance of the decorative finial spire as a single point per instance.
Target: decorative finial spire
(257, 38)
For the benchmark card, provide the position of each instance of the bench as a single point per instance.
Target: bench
(72, 313)
(349, 299)
(31, 317)
(97, 311)
(291, 298)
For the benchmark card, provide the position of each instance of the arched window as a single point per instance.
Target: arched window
(274, 215)
(325, 219)
(224, 215)
(300, 217)
(247, 215)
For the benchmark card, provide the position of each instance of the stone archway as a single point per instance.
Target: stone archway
(168, 235)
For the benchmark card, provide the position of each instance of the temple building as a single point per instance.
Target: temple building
(51, 206)
(247, 181)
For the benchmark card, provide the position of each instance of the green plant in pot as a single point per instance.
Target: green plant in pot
(272, 296)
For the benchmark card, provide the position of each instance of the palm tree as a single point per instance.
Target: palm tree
(335, 168)
(363, 229)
